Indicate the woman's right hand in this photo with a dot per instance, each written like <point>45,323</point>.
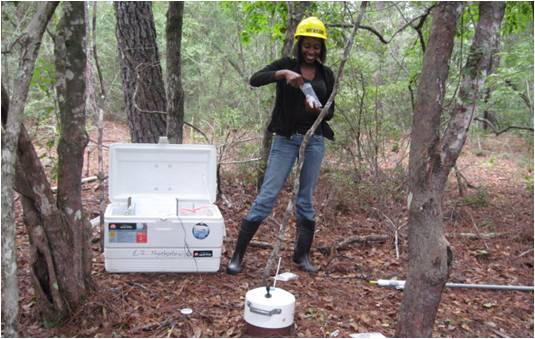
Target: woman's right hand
<point>292,78</point>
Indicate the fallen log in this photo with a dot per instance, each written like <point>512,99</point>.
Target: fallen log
<point>326,250</point>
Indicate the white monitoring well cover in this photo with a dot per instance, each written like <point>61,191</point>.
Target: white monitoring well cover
<point>184,171</point>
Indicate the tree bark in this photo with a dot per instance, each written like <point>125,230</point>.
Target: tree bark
<point>428,264</point>
<point>10,289</point>
<point>432,158</point>
<point>296,11</point>
<point>58,229</point>
<point>71,62</point>
<point>175,92</point>
<point>43,221</point>
<point>475,72</point>
<point>12,116</point>
<point>494,62</point>
<point>144,91</point>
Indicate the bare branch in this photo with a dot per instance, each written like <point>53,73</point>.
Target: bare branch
<point>198,130</point>
<point>138,78</point>
<point>418,27</point>
<point>498,132</point>
<point>95,55</point>
<point>525,98</point>
<point>323,113</point>
<point>240,161</point>
<point>337,245</point>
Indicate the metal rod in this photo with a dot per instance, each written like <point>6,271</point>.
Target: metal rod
<point>491,287</point>
<point>277,273</point>
<point>400,284</point>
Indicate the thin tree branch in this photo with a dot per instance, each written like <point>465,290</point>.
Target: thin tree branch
<point>198,130</point>
<point>97,64</point>
<point>100,132</point>
<point>497,132</point>
<point>323,113</point>
<point>138,78</point>
<point>525,98</point>
<point>379,35</point>
<point>240,161</point>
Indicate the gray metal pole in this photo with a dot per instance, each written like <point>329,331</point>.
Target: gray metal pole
<point>491,287</point>
<point>400,284</point>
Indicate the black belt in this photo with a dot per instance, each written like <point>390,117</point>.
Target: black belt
<point>304,131</point>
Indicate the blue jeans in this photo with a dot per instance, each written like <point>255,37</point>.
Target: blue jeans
<point>284,153</point>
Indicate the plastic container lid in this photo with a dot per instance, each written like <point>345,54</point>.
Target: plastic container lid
<point>184,171</point>
<point>279,297</point>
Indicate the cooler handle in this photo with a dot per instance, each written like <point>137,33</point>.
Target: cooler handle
<point>263,312</point>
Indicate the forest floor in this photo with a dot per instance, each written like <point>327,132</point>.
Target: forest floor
<point>338,300</point>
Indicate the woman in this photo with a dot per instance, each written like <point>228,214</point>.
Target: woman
<point>292,116</point>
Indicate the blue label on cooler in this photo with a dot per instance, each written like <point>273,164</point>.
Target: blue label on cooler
<point>200,231</point>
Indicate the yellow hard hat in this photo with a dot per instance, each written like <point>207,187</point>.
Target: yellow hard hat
<point>312,27</point>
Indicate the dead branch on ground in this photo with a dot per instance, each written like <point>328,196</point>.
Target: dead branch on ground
<point>336,246</point>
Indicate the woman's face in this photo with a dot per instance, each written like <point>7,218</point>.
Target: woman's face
<point>311,49</point>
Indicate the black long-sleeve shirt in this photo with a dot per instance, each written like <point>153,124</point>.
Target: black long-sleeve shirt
<point>289,114</point>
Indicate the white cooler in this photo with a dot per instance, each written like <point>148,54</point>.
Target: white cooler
<point>162,216</point>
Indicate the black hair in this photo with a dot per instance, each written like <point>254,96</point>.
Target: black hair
<point>297,50</point>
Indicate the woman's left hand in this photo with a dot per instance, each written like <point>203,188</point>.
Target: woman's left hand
<point>311,108</point>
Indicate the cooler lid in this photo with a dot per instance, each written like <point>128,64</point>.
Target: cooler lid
<point>179,170</point>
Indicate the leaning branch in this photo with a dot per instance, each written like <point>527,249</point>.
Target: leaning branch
<point>289,207</point>
<point>100,134</point>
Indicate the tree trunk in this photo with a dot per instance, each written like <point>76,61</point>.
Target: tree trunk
<point>71,62</point>
<point>10,289</point>
<point>175,92</point>
<point>428,264</point>
<point>475,72</point>
<point>296,11</point>
<point>494,62</point>
<point>431,159</point>
<point>58,229</point>
<point>144,91</point>
<point>43,221</point>
<point>12,117</point>
<point>488,115</point>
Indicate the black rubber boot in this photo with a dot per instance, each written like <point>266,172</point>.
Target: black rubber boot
<point>247,231</point>
<point>305,235</point>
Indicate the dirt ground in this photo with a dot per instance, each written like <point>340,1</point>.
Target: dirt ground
<point>339,300</point>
